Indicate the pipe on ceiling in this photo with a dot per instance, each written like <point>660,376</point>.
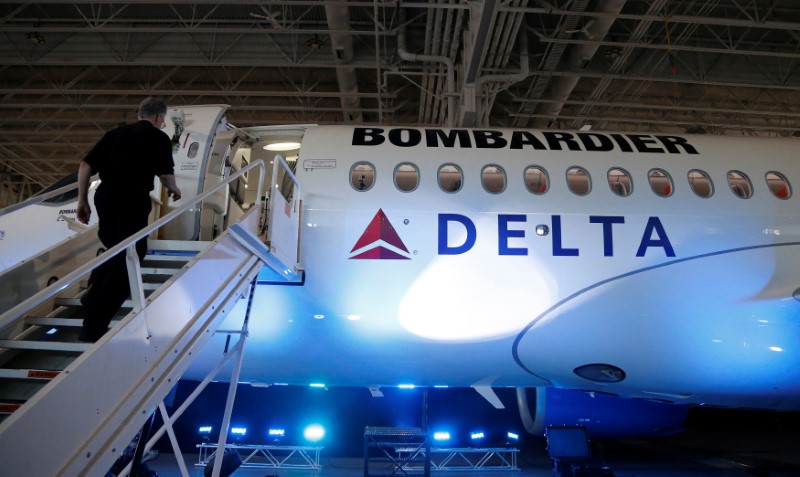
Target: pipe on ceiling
<point>405,55</point>
<point>339,20</point>
<point>578,58</point>
<point>511,78</point>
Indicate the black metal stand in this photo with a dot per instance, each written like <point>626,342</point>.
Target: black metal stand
<point>394,451</point>
<point>144,436</point>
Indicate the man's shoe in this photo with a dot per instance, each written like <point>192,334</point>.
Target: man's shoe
<point>89,337</point>
<point>85,301</point>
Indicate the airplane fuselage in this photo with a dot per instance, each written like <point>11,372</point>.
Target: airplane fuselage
<point>629,264</point>
<point>653,266</point>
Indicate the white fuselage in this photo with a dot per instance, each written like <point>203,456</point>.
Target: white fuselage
<point>691,298</point>
<point>579,260</point>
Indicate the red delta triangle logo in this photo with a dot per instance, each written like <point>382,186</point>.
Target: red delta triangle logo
<point>379,229</point>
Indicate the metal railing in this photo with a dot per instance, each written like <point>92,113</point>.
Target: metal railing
<point>10,316</point>
<point>38,198</point>
<point>284,236</point>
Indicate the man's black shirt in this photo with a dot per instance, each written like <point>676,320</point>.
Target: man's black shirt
<point>129,157</point>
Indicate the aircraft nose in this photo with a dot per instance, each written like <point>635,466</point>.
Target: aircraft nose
<point>717,322</point>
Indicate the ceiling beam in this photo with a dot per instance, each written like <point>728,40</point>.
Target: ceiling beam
<point>197,92</point>
<point>674,47</point>
<point>663,79</point>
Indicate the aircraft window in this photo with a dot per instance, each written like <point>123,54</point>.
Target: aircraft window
<point>450,177</point>
<point>362,176</point>
<point>406,177</point>
<point>578,180</point>
<point>701,184</point>
<point>660,182</point>
<point>778,185</point>
<point>493,178</point>
<point>740,184</point>
<point>536,180</point>
<point>192,152</point>
<point>620,182</point>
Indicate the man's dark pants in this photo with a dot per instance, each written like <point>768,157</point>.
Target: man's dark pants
<point>119,218</point>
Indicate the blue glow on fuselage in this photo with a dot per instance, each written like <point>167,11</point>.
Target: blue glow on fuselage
<point>449,299</point>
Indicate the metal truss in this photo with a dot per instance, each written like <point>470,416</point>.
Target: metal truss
<point>471,459</point>
<point>71,70</point>
<point>266,456</point>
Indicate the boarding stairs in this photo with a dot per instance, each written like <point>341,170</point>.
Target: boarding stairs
<point>48,341</point>
<point>70,408</point>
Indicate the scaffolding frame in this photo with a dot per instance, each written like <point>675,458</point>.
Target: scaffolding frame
<point>266,456</point>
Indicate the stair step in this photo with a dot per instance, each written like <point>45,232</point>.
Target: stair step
<point>126,304</point>
<point>176,246</point>
<point>167,261</point>
<point>8,407</point>
<point>148,286</point>
<point>45,345</point>
<point>58,322</point>
<point>68,302</point>
<point>158,271</point>
<point>159,257</point>
<point>28,374</point>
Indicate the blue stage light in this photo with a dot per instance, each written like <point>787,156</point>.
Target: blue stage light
<point>405,386</point>
<point>513,436</point>
<point>317,385</point>
<point>314,433</point>
<point>238,431</point>
<point>276,432</point>
<point>475,436</point>
<point>441,436</point>
<point>204,429</point>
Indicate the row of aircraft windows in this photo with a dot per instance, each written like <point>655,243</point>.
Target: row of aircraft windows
<point>537,181</point>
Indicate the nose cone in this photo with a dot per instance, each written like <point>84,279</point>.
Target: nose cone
<point>713,325</point>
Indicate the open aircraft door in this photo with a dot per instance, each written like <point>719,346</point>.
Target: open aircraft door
<point>283,215</point>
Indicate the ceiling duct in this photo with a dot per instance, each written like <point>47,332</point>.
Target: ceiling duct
<point>404,54</point>
<point>578,57</point>
<point>342,44</point>
<point>503,81</point>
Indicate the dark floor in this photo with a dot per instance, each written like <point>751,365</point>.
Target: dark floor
<point>704,453</point>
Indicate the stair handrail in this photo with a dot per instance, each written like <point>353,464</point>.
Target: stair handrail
<point>38,198</point>
<point>26,306</point>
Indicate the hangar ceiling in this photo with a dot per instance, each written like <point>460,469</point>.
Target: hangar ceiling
<point>71,70</point>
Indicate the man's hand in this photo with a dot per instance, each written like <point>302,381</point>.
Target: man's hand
<point>84,180</point>
<point>174,192</point>
<point>84,212</point>
<point>168,180</point>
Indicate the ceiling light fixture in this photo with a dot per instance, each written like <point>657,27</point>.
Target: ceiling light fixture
<point>315,43</point>
<point>282,146</point>
<point>35,37</point>
<point>613,53</point>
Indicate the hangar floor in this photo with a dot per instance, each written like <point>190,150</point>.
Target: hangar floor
<point>705,453</point>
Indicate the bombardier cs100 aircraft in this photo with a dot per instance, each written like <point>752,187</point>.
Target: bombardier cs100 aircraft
<point>656,268</point>
<point>620,278</point>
